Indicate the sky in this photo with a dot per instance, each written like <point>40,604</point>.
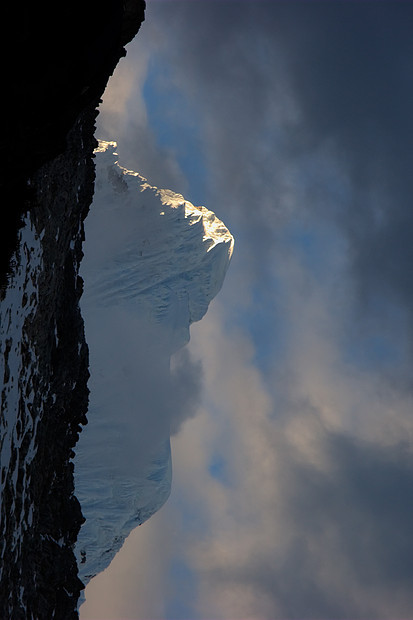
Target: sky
<point>292,488</point>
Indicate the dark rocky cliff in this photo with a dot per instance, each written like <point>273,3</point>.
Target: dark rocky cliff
<point>65,55</point>
<point>56,61</point>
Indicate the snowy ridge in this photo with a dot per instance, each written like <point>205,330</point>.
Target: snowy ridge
<point>153,262</point>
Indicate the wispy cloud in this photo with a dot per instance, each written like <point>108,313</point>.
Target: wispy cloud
<point>313,484</point>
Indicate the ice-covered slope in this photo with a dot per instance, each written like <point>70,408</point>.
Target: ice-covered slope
<point>153,262</point>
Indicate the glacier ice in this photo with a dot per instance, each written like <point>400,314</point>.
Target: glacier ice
<point>152,264</point>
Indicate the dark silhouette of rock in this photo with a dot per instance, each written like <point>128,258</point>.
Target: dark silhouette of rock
<point>57,60</point>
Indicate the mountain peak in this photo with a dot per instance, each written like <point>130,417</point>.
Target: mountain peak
<point>153,262</point>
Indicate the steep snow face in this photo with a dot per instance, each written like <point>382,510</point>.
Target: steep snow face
<point>152,249</point>
<point>153,262</point>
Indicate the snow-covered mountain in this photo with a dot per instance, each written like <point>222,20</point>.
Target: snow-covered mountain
<point>152,264</point>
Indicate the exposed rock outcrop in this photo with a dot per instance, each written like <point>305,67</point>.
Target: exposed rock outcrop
<point>64,57</point>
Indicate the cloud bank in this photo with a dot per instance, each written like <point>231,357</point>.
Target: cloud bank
<point>293,483</point>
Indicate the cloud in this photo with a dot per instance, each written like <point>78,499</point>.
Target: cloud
<point>130,587</point>
<point>292,484</point>
<point>306,517</point>
<point>124,119</point>
<point>186,380</point>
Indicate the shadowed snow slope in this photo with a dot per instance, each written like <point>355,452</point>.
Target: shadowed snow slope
<point>153,262</point>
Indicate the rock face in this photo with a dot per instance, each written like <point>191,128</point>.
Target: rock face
<point>153,262</point>
<point>57,60</point>
<point>65,55</point>
<point>44,363</point>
